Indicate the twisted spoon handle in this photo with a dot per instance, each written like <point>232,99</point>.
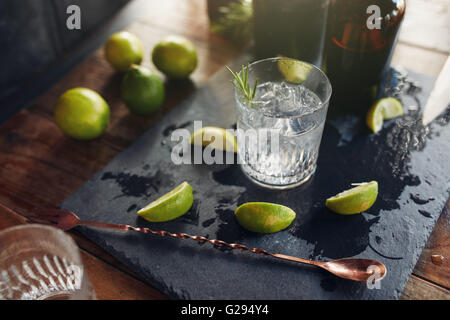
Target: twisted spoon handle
<point>199,239</point>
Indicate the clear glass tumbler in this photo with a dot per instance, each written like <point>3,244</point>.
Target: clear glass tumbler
<point>40,262</point>
<point>280,130</point>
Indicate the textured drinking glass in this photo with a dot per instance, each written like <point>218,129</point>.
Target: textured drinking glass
<point>280,130</point>
<point>40,262</point>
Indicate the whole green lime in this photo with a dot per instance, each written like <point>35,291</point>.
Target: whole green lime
<point>142,90</point>
<point>123,49</point>
<point>82,113</point>
<point>175,56</point>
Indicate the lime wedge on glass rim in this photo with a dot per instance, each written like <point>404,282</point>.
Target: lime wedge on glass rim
<point>383,109</point>
<point>264,217</point>
<point>170,206</point>
<point>293,71</point>
<point>355,200</point>
<point>216,138</point>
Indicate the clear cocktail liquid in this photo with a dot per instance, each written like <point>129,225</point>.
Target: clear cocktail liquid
<point>287,154</point>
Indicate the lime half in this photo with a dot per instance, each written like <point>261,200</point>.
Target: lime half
<point>355,200</point>
<point>216,138</point>
<point>383,109</point>
<point>263,217</point>
<point>170,206</point>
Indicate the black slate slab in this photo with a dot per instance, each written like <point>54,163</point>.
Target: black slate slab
<point>409,161</point>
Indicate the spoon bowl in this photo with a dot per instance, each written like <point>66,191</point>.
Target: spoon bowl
<point>362,270</point>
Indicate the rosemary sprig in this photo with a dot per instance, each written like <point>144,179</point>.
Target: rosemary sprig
<point>240,83</point>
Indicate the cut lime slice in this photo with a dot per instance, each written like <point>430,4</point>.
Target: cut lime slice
<point>170,206</point>
<point>355,200</point>
<point>294,71</point>
<point>391,107</point>
<point>383,109</point>
<point>263,217</point>
<point>216,138</point>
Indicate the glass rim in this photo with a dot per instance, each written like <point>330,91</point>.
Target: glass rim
<point>55,231</point>
<point>317,69</point>
<point>31,226</point>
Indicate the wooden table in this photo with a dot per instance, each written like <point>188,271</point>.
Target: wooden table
<point>40,166</point>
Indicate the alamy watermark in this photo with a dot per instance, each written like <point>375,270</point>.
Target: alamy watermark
<point>374,20</point>
<point>73,21</point>
<point>374,280</point>
<point>260,141</point>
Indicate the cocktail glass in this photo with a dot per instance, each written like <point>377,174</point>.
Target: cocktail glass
<point>39,262</point>
<point>280,130</point>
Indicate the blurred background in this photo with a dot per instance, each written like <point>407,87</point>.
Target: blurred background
<point>37,48</point>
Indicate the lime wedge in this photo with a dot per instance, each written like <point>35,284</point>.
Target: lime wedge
<point>383,109</point>
<point>355,200</point>
<point>391,107</point>
<point>294,71</point>
<point>216,138</point>
<point>170,206</point>
<point>263,217</point>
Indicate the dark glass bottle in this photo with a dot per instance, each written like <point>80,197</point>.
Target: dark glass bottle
<point>357,51</point>
<point>291,28</point>
<point>213,7</point>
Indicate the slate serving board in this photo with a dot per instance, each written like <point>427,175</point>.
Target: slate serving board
<point>409,161</point>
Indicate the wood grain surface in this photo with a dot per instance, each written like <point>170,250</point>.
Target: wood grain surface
<point>41,166</point>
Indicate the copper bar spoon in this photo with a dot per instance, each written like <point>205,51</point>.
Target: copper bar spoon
<point>355,269</point>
